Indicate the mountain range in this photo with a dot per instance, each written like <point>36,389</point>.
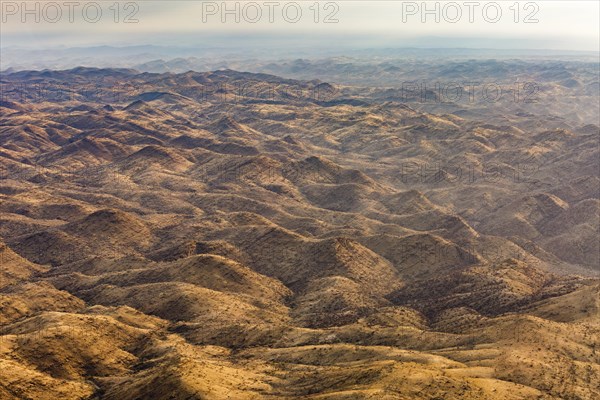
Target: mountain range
<point>238,235</point>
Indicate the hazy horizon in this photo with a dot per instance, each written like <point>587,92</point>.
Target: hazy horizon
<point>529,25</point>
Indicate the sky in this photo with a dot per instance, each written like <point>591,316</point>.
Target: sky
<point>545,24</point>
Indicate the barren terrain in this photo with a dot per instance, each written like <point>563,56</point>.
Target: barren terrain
<point>232,235</point>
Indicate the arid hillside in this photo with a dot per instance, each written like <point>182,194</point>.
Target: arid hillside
<point>229,235</point>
